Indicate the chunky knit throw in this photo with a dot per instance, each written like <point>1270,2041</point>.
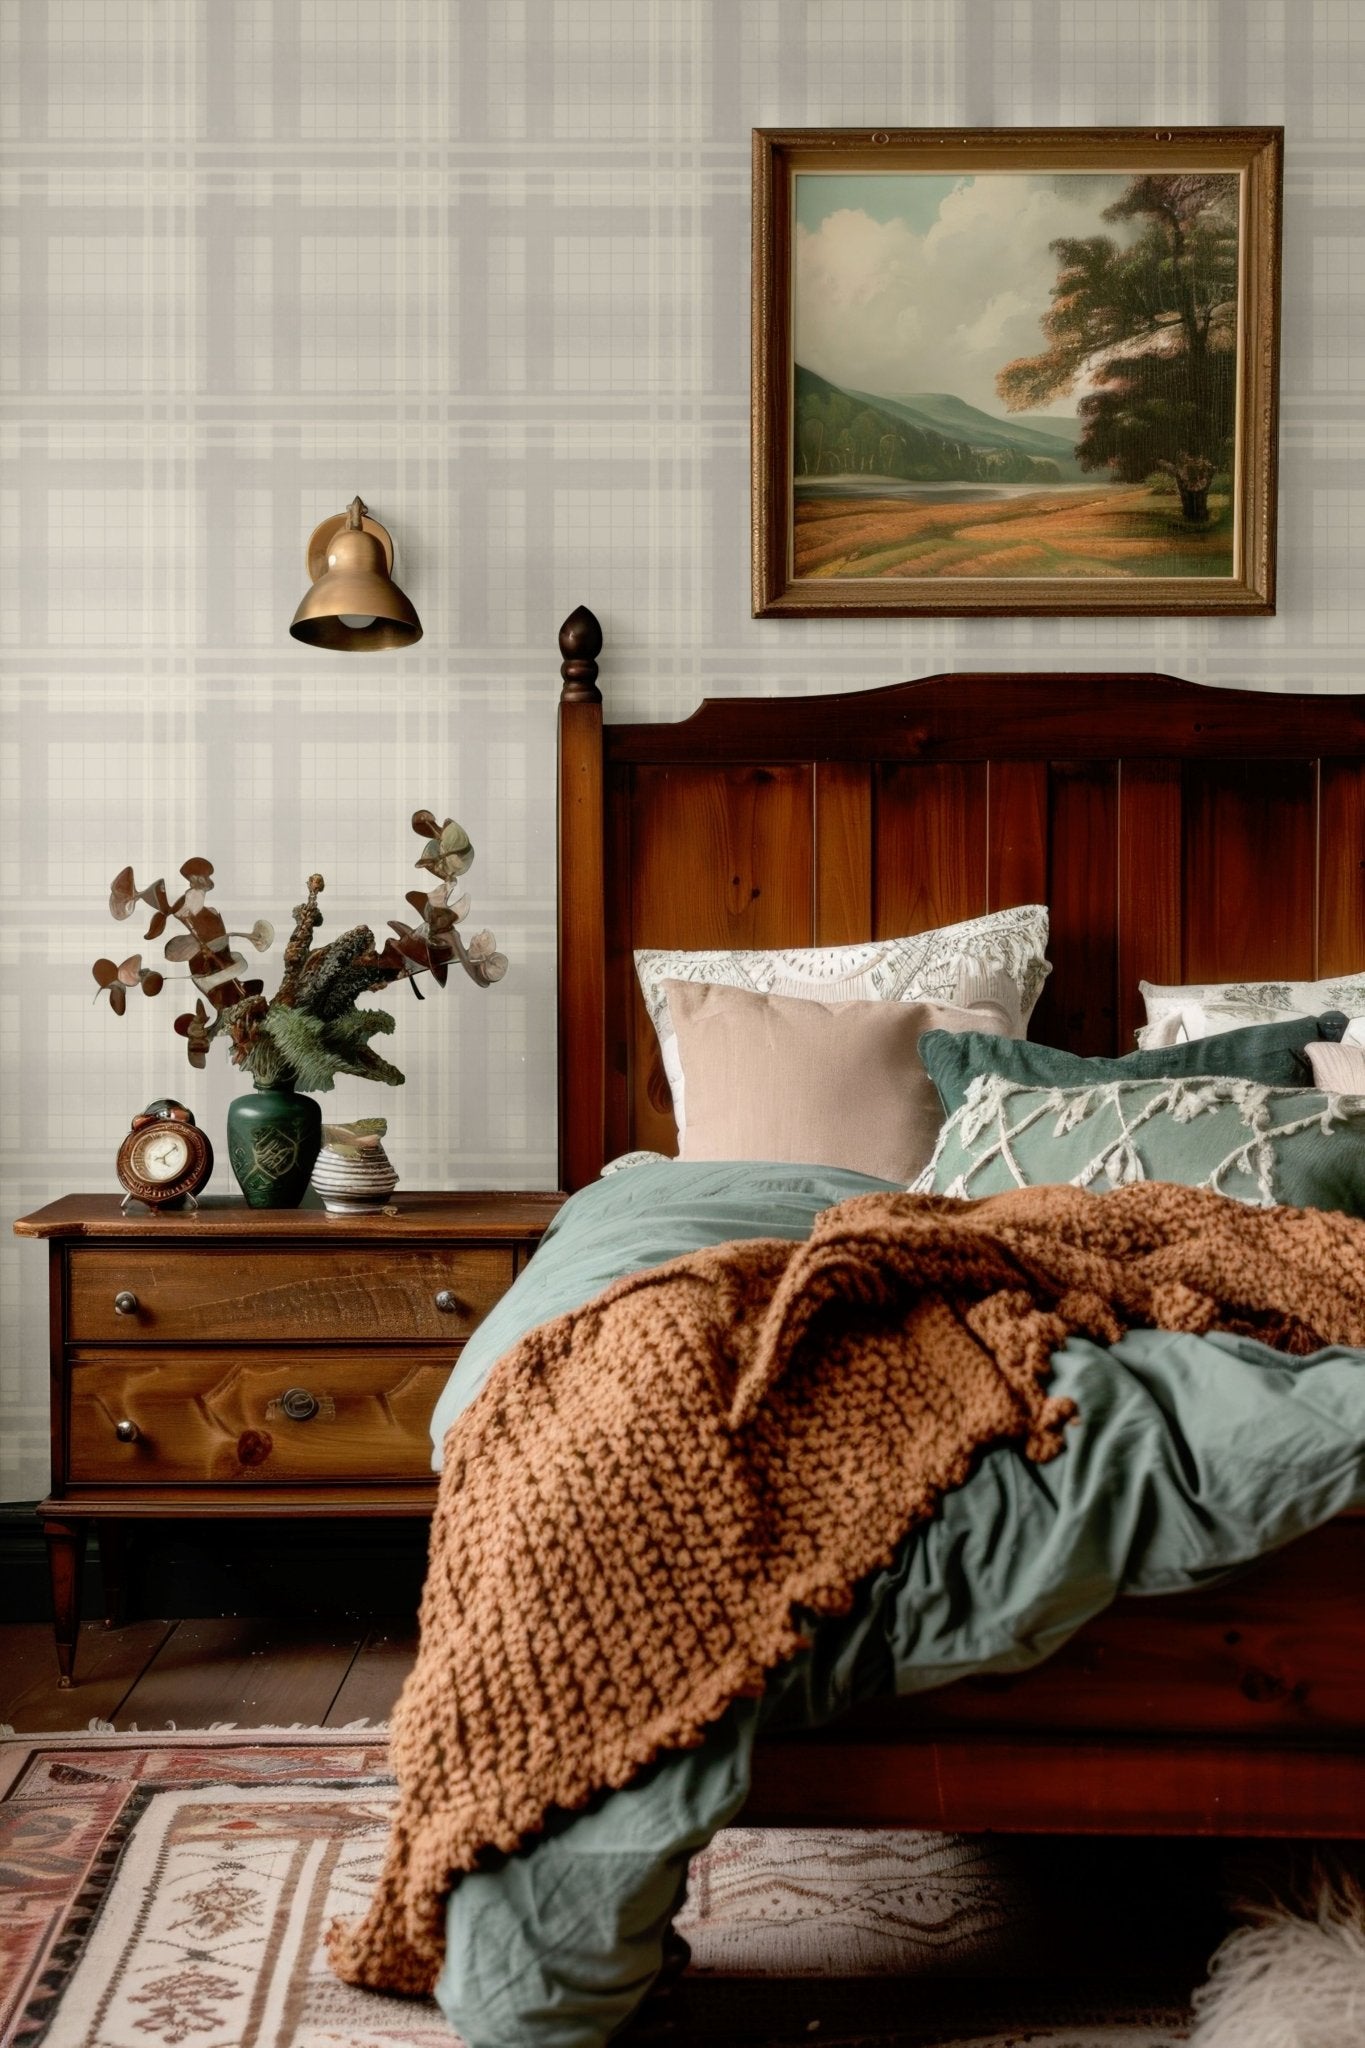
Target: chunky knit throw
<point>650,1492</point>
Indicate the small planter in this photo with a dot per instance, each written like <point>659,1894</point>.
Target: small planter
<point>273,1139</point>
<point>354,1174</point>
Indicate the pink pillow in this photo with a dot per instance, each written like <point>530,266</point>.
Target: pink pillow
<point>813,1083</point>
<point>1337,1069</point>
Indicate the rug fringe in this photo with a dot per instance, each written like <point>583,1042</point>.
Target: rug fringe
<point>362,1726</point>
<point>245,1731</point>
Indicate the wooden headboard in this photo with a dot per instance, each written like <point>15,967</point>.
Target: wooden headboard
<point>1178,833</point>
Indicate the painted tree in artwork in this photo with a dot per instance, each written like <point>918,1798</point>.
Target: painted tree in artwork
<point>1154,328</point>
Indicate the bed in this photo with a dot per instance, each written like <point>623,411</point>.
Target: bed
<point>1013,1661</point>
<point>1176,832</point>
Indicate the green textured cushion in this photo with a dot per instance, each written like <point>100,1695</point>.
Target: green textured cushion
<point>1240,1138</point>
<point>1272,1053</point>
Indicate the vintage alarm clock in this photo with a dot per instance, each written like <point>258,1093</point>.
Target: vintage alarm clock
<point>165,1160</point>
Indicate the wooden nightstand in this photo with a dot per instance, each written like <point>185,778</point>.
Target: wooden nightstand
<point>235,1361</point>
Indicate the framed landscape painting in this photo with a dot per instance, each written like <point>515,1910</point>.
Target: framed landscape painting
<point>1015,371</point>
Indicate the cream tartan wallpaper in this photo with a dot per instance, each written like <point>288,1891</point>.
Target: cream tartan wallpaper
<point>486,262</point>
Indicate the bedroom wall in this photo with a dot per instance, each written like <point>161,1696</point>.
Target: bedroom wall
<point>486,263</point>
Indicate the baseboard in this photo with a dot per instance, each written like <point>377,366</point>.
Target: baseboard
<point>178,1570</point>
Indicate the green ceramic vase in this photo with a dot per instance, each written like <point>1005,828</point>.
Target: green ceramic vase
<point>274,1136</point>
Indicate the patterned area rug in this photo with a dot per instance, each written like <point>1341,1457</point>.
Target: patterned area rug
<point>170,1891</point>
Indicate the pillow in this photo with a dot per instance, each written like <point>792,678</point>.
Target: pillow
<point>1262,1052</point>
<point>807,1082</point>
<point>1000,958</point>
<point>1240,1138</point>
<point>1340,1069</point>
<point>1201,1009</point>
<point>623,1162</point>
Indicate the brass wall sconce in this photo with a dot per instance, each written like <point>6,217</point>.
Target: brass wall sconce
<point>354,603</point>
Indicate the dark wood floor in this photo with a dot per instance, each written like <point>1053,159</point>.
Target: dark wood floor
<point>256,1673</point>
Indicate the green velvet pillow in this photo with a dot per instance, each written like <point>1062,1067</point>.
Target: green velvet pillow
<point>1260,1052</point>
<point>1240,1138</point>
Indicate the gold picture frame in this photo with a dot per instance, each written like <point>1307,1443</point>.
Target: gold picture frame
<point>913,258</point>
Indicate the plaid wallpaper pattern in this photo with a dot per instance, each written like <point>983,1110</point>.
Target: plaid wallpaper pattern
<point>486,263</point>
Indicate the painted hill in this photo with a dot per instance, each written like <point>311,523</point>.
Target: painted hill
<point>926,437</point>
<point>944,414</point>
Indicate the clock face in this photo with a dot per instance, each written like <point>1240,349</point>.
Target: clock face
<point>165,1159</point>
<point>160,1155</point>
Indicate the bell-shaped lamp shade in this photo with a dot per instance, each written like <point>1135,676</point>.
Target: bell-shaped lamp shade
<point>354,603</point>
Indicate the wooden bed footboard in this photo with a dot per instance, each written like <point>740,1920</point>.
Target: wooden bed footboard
<point>1177,833</point>
<point>1239,1710</point>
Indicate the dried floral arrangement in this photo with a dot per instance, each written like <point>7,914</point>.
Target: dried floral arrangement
<point>311,1029</point>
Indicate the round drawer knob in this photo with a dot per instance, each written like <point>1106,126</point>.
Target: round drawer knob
<point>127,1432</point>
<point>446,1302</point>
<point>298,1404</point>
<point>125,1304</point>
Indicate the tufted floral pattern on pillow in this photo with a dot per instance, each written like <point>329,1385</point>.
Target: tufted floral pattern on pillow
<point>1256,1143</point>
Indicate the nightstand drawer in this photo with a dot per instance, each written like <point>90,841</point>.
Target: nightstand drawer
<point>260,1361</point>
<point>245,1418</point>
<point>321,1294</point>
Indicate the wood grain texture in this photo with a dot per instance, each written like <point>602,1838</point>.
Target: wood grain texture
<point>748,837</point>
<point>582,916</point>
<point>1263,1656</point>
<point>1079,1004</point>
<point>256,1673</point>
<point>986,1784</point>
<point>929,858</point>
<point>1150,849</point>
<point>1017,829</point>
<point>510,1218</point>
<point>1341,869</point>
<point>986,716</point>
<point>375,1678</point>
<point>581,905</point>
<point>65,1540</point>
<point>1250,883</point>
<point>720,858</point>
<point>322,1500</point>
<point>110,1662</point>
<point>843,853</point>
<point>214,1417</point>
<point>214,1294</point>
<point>224,1311</point>
<point>621,986</point>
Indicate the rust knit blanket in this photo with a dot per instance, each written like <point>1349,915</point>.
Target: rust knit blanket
<point>648,1489</point>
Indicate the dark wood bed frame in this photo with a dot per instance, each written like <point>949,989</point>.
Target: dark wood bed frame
<point>1178,833</point>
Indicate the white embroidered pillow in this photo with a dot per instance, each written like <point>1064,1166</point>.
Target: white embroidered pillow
<point>1000,959</point>
<point>1203,1009</point>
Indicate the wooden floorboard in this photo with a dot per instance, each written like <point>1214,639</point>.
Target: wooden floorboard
<point>109,1663</point>
<point>255,1673</point>
<point>375,1678</point>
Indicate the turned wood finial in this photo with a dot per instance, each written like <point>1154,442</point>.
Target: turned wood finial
<point>580,643</point>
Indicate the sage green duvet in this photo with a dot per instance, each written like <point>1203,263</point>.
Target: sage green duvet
<point>1192,1456</point>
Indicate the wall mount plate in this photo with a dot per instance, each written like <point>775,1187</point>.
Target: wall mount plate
<point>321,537</point>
